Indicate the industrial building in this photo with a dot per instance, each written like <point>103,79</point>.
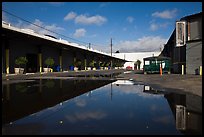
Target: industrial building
<point>184,46</point>
<point>17,42</point>
<point>131,58</point>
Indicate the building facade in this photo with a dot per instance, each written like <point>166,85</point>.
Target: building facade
<point>17,42</point>
<point>131,58</point>
<point>184,46</point>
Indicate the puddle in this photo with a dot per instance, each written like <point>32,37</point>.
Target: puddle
<point>63,106</point>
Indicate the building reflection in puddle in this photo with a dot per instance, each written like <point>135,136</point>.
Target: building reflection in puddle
<point>22,99</point>
<point>98,107</point>
<point>186,108</point>
<point>187,111</point>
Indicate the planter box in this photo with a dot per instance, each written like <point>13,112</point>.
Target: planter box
<point>46,70</point>
<point>18,70</point>
<point>75,68</point>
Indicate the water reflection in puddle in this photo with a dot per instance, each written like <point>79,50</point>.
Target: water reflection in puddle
<point>97,107</point>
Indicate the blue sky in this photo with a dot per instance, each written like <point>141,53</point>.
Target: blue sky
<point>133,26</point>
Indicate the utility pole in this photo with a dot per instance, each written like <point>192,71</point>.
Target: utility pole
<point>89,45</point>
<point>111,54</point>
<point>111,47</point>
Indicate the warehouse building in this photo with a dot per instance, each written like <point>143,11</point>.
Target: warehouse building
<point>17,42</point>
<point>184,46</point>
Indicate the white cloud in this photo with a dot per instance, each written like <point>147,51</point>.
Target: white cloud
<point>71,15</point>
<point>4,17</point>
<point>156,26</point>
<point>80,33</point>
<point>85,19</point>
<point>163,119</point>
<point>167,14</point>
<point>95,115</point>
<point>104,4</point>
<point>148,44</point>
<point>39,30</point>
<point>57,4</point>
<point>130,19</point>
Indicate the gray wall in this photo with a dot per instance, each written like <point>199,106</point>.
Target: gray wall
<point>18,48</point>
<point>193,56</point>
<point>194,47</point>
<point>67,59</point>
<point>50,51</point>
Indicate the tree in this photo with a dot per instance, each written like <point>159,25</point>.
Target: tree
<point>117,51</point>
<point>92,64</point>
<point>21,61</point>
<point>49,62</point>
<point>138,62</point>
<point>78,63</point>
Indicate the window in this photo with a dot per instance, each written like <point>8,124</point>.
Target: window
<point>146,62</point>
<point>180,33</point>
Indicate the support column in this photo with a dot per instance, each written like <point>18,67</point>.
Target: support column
<point>182,69</point>
<point>7,61</point>
<point>85,62</point>
<point>60,62</point>
<point>200,70</point>
<point>40,61</point>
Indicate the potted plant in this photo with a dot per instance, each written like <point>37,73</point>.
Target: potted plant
<point>101,64</point>
<point>92,65</point>
<point>106,66</point>
<point>20,61</point>
<point>71,66</point>
<point>77,65</point>
<point>49,62</point>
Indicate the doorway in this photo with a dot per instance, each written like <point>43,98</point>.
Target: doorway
<point>31,66</point>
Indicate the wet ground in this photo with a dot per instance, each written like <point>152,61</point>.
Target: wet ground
<point>64,106</point>
<point>171,82</point>
<point>127,104</point>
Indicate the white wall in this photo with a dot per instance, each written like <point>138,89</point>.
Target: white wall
<point>132,57</point>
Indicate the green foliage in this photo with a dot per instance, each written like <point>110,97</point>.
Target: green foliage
<point>102,64</point>
<point>77,63</point>
<point>49,61</point>
<point>107,64</point>
<point>92,64</point>
<point>137,64</point>
<point>21,61</point>
<point>118,64</point>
